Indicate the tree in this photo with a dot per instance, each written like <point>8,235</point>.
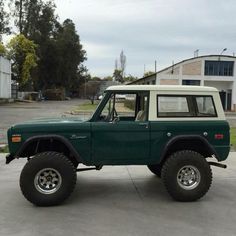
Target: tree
<point>119,71</point>
<point>48,72</point>
<point>130,78</point>
<point>36,20</point>
<point>96,78</point>
<point>46,26</point>
<point>91,90</point>
<point>33,11</point>
<point>2,50</point>
<point>107,78</point>
<point>61,54</point>
<point>26,14</point>
<point>22,53</point>
<point>4,20</point>
<point>148,73</point>
<point>117,75</point>
<point>71,53</point>
<point>18,14</point>
<point>59,49</point>
<point>82,77</point>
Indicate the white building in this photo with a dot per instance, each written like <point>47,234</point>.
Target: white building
<point>212,70</point>
<point>5,78</point>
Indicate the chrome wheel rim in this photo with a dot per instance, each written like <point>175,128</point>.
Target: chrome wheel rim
<point>188,177</point>
<point>47,181</point>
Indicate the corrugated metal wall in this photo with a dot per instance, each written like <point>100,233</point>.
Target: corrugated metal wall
<point>5,78</point>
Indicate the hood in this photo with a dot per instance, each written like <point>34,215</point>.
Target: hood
<point>52,120</point>
<point>45,125</point>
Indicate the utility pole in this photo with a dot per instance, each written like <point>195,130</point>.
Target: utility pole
<point>172,68</point>
<point>196,53</point>
<point>155,66</point>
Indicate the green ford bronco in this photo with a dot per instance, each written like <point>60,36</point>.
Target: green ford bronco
<point>170,129</point>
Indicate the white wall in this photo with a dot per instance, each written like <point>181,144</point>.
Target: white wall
<point>220,85</point>
<point>5,78</point>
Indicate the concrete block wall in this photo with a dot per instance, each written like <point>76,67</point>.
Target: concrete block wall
<point>193,68</point>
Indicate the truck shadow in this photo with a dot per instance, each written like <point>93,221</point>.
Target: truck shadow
<point>100,191</point>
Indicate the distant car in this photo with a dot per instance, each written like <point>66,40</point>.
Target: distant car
<point>171,129</point>
<point>120,96</point>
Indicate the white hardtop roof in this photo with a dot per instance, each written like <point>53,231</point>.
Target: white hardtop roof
<point>162,88</point>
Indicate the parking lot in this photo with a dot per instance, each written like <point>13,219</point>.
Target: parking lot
<point>122,200</point>
<point>19,112</point>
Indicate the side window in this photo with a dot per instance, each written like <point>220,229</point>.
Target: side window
<point>205,106</point>
<point>125,107</point>
<point>185,106</point>
<point>119,107</point>
<point>173,106</point>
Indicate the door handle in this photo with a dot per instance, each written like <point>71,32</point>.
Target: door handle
<point>143,124</point>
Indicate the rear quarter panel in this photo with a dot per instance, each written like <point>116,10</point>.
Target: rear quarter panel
<point>188,126</point>
<point>160,130</point>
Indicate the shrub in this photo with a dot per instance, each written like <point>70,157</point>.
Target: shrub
<point>55,94</point>
<point>130,104</point>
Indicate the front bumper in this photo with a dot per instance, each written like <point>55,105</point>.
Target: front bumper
<point>9,158</point>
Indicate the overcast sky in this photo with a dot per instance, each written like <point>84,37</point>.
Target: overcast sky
<point>149,30</point>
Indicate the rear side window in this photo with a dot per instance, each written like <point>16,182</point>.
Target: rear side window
<point>205,106</point>
<point>173,106</point>
<point>185,106</point>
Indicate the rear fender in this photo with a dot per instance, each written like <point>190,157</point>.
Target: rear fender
<point>181,142</point>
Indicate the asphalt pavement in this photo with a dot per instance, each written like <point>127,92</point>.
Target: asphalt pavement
<point>120,200</point>
<point>19,112</point>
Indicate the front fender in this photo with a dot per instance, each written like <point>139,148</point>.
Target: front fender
<point>38,138</point>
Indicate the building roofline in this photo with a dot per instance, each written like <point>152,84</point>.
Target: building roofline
<point>189,59</point>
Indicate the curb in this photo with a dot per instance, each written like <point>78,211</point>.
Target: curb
<point>230,114</point>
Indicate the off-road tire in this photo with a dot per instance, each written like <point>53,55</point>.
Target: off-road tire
<point>155,169</point>
<point>58,163</point>
<point>171,173</point>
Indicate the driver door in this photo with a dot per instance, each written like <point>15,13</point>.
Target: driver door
<point>118,137</point>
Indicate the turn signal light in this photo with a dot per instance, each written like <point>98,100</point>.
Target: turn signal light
<point>16,139</point>
<point>219,136</point>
